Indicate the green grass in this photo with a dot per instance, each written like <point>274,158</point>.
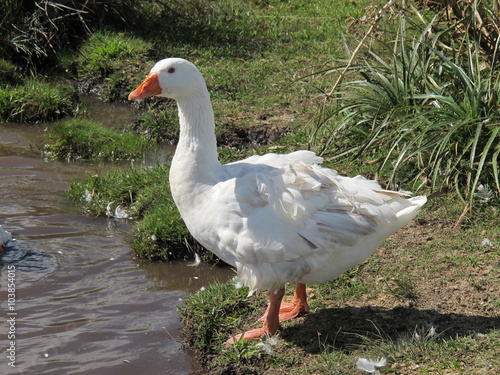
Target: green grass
<point>214,313</point>
<point>211,316</point>
<point>37,100</point>
<point>160,122</point>
<point>144,193</point>
<point>106,52</point>
<point>282,42</point>
<point>108,60</point>
<point>80,138</point>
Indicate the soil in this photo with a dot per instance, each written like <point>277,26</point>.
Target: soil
<point>264,130</point>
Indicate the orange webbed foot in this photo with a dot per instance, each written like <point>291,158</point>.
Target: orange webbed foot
<point>253,334</point>
<point>271,322</point>
<point>288,311</point>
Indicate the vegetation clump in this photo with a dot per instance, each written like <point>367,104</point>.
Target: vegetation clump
<point>108,61</point>
<point>422,107</point>
<point>80,138</point>
<point>141,194</point>
<point>37,100</point>
<point>209,318</point>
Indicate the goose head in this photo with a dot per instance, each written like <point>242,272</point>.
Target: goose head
<point>172,78</point>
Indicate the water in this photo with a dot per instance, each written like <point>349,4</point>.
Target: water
<point>83,304</point>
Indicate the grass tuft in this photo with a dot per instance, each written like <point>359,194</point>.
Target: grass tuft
<point>108,63</point>
<point>37,100</point>
<point>404,288</point>
<point>424,110</point>
<point>211,316</point>
<point>80,138</point>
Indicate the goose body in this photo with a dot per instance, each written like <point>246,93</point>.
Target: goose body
<point>277,218</point>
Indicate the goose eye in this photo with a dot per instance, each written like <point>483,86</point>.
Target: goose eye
<point>171,70</point>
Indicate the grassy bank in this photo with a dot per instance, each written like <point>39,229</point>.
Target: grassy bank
<point>107,62</point>
<point>35,99</point>
<point>79,138</point>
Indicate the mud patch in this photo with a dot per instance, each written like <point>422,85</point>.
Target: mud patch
<point>264,130</point>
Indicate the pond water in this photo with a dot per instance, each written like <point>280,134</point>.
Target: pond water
<point>83,304</point>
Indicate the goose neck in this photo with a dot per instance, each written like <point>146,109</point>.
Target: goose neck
<point>197,147</point>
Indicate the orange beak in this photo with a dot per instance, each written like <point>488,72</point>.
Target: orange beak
<point>150,87</point>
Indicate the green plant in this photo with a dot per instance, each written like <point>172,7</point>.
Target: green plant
<point>32,30</point>
<point>160,124</point>
<point>37,100</point>
<point>8,74</point>
<point>211,315</point>
<point>80,138</point>
<point>425,113</point>
<point>405,288</point>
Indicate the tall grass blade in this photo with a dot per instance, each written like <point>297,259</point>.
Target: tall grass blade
<point>485,154</point>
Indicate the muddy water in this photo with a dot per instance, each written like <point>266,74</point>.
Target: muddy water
<point>83,305</point>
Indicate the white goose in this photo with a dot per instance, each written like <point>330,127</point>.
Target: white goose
<point>5,237</point>
<point>277,218</point>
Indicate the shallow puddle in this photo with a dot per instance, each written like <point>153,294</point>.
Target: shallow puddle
<point>83,305</point>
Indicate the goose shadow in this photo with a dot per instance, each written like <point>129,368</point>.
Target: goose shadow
<point>347,328</point>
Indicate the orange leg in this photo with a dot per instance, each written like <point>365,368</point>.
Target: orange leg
<point>291,310</point>
<point>271,322</point>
